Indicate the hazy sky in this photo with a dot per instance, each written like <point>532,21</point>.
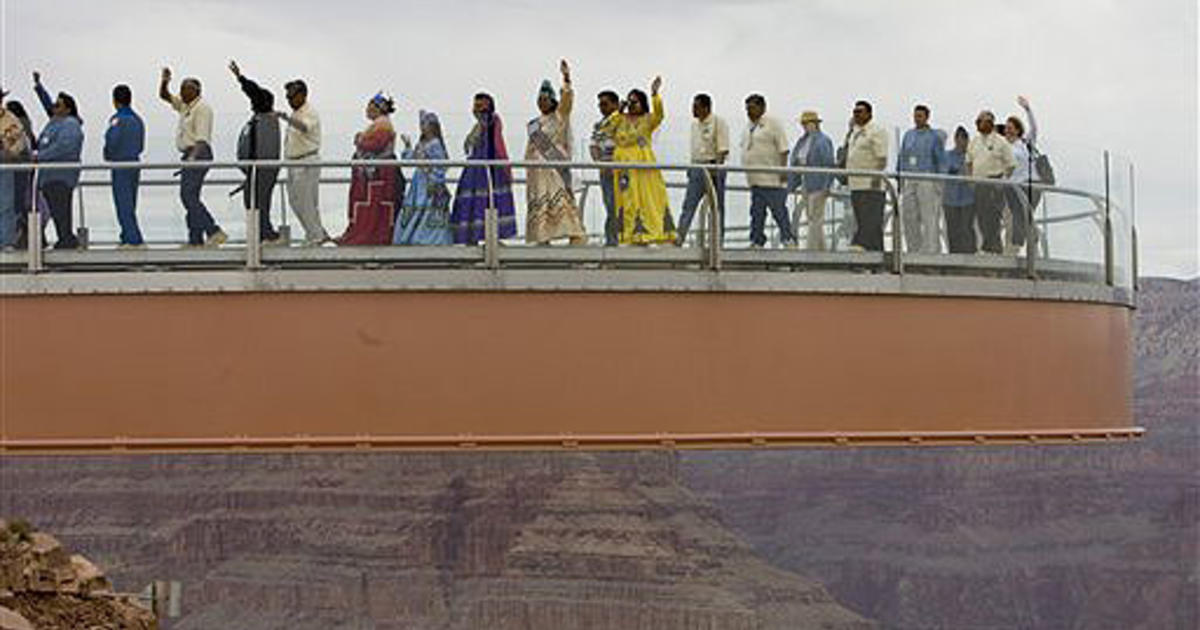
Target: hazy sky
<point>1102,74</point>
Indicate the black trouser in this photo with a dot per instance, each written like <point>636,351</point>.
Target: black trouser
<point>264,185</point>
<point>58,197</point>
<point>960,228</point>
<point>868,216</point>
<point>989,206</point>
<point>1021,214</point>
<point>22,202</point>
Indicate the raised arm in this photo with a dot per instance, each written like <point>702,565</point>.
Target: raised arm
<point>567,99</point>
<point>164,87</point>
<point>1031,134</point>
<point>43,95</point>
<point>657,113</point>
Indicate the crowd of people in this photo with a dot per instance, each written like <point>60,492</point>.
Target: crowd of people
<point>385,207</point>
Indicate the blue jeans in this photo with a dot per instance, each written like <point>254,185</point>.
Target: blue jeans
<point>695,192</point>
<point>608,191</point>
<point>762,198</point>
<point>125,195</point>
<point>191,182</point>
<point>8,209</point>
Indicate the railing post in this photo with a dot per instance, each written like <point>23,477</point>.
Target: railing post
<point>285,230</point>
<point>253,233</point>
<point>714,222</point>
<point>1109,270</point>
<point>1031,239</point>
<point>1133,234</point>
<point>81,230</point>
<point>33,227</point>
<point>897,223</point>
<point>491,231</point>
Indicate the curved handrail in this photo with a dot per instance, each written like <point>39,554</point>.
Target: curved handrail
<point>1100,201</point>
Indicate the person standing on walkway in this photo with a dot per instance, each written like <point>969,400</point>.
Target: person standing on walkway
<point>481,187</point>
<point>552,212</point>
<point>23,180</point>
<point>14,145</point>
<point>958,199</point>
<point>372,210</point>
<point>922,150</point>
<point>302,142</point>
<point>61,140</point>
<point>989,155</point>
<point>710,145</point>
<point>764,143</point>
<point>602,148</point>
<point>815,149</point>
<point>643,211</point>
<point>259,140</point>
<point>425,214</point>
<point>123,142</point>
<point>867,149</point>
<point>193,139</point>
<point>1022,198</point>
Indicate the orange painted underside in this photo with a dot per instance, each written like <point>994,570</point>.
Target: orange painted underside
<point>430,365</point>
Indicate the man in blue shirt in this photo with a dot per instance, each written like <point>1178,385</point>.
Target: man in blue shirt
<point>958,199</point>
<point>61,141</point>
<point>814,148</point>
<point>123,142</point>
<point>922,150</point>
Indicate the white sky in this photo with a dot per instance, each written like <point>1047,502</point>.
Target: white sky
<point>1101,74</point>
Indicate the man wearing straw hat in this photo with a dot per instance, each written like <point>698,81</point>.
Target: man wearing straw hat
<point>815,149</point>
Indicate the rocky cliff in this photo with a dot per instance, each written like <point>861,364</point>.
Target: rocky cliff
<point>391,541</point>
<point>44,587</point>
<point>1091,537</point>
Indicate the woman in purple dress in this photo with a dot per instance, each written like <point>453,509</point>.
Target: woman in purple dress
<point>485,142</point>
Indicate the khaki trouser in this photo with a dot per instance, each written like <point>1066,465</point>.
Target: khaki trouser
<point>303,189</point>
<point>921,202</point>
<point>813,206</point>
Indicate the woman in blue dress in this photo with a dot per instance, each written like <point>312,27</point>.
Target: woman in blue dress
<point>425,215</point>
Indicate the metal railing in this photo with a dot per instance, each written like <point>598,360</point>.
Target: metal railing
<point>710,237</point>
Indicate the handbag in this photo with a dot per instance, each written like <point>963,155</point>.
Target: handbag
<point>1041,165</point>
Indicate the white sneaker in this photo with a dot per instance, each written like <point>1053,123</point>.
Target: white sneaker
<point>216,239</point>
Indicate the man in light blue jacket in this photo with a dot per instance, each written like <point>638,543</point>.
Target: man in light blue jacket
<point>61,141</point>
<point>922,150</point>
<point>814,148</point>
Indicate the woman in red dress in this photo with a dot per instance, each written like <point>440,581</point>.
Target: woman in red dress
<point>373,188</point>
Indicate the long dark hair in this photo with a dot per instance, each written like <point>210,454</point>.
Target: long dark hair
<point>72,109</point>
<point>490,101</point>
<point>18,110</point>
<point>641,96</point>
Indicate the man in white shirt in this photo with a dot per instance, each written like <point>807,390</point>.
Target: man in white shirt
<point>193,138</point>
<point>765,144</point>
<point>866,149</point>
<point>302,141</point>
<point>989,155</point>
<point>710,145</point>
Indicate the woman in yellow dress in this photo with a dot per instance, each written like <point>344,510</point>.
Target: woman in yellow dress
<point>641,199</point>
